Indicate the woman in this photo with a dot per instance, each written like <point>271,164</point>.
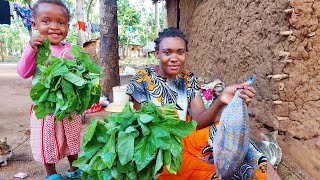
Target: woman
<point>169,83</point>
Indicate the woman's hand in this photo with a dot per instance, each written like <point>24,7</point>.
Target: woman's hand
<point>247,93</point>
<point>36,40</point>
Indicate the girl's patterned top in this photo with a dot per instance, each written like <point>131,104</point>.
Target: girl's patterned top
<point>148,86</point>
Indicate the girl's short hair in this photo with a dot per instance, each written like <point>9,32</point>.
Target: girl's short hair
<point>57,2</point>
<point>170,32</point>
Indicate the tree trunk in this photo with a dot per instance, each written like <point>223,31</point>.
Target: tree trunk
<point>88,17</point>
<point>109,56</point>
<point>156,16</point>
<point>80,17</point>
<point>127,46</point>
<point>1,51</point>
<point>88,11</point>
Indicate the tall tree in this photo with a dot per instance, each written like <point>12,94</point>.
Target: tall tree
<point>156,16</point>
<point>128,17</point>
<point>2,51</point>
<point>80,17</point>
<point>109,57</point>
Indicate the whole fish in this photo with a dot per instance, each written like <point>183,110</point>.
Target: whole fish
<point>231,141</point>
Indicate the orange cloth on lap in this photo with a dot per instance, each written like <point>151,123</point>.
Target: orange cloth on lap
<point>192,167</point>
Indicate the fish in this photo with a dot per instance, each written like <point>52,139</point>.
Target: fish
<point>231,141</point>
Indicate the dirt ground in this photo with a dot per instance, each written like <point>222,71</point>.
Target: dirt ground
<point>14,119</point>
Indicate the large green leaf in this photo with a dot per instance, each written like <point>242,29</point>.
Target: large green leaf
<point>97,163</point>
<point>74,79</point>
<point>160,136</point>
<point>145,118</point>
<point>144,128</point>
<point>60,71</point>
<point>105,175</point>
<point>43,52</point>
<point>44,96</point>
<point>167,158</point>
<point>125,147</point>
<point>67,87</point>
<point>91,149</point>
<point>132,175</point>
<point>36,76</point>
<point>81,161</point>
<point>178,127</point>
<point>176,146</point>
<point>125,168</point>
<point>41,110</point>
<point>145,151</point>
<point>36,92</point>
<point>109,151</point>
<point>159,162</point>
<point>87,137</point>
<point>101,134</point>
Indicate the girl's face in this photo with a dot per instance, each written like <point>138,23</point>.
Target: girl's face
<point>172,55</point>
<point>52,21</point>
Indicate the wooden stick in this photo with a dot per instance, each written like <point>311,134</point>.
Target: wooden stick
<point>311,34</point>
<point>286,33</point>
<point>284,53</point>
<point>289,11</point>
<point>282,118</point>
<point>277,102</point>
<point>279,76</point>
<point>286,61</point>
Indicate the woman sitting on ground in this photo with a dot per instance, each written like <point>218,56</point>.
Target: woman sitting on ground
<point>168,82</point>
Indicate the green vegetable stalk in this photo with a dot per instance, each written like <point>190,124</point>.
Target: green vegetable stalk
<point>134,144</point>
<point>63,86</point>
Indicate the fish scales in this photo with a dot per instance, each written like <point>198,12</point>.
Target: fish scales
<point>231,141</point>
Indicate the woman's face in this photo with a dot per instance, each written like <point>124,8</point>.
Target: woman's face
<point>172,55</point>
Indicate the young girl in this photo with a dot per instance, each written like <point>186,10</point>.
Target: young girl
<point>50,140</point>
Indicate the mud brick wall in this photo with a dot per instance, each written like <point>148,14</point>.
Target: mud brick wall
<point>299,112</point>
<point>232,39</point>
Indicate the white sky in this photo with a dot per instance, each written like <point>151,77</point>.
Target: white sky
<point>147,4</point>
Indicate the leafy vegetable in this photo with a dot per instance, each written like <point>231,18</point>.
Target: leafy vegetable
<point>134,144</point>
<point>63,86</point>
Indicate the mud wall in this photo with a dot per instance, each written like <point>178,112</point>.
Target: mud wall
<point>231,39</point>
<point>171,6</point>
<point>299,112</point>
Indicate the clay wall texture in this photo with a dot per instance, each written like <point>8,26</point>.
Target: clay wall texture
<point>231,39</point>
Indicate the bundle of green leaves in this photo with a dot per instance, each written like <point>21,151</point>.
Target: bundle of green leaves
<point>63,86</point>
<point>134,144</point>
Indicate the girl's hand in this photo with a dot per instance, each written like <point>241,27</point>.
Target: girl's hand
<point>247,93</point>
<point>36,40</point>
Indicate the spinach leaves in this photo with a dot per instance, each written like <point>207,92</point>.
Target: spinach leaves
<point>134,144</point>
<point>64,86</point>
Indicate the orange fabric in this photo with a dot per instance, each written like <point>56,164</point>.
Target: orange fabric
<point>82,25</point>
<point>192,167</point>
